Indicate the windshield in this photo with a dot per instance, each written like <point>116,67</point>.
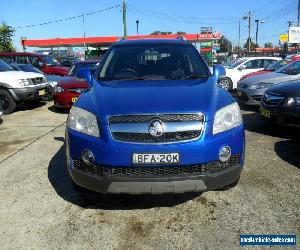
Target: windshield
<point>51,61</point>
<point>277,65</point>
<point>75,68</point>
<point>5,67</point>
<point>235,63</point>
<point>29,68</point>
<point>153,62</point>
<point>290,69</point>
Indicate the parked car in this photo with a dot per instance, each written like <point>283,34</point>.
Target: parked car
<point>68,61</point>
<point>251,90</point>
<point>243,66</point>
<point>154,121</point>
<point>51,79</point>
<point>46,63</point>
<point>281,103</point>
<point>273,67</point>
<point>70,87</point>
<point>18,86</point>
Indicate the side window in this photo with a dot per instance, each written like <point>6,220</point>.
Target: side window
<point>37,62</point>
<point>268,62</point>
<point>253,64</point>
<point>21,59</point>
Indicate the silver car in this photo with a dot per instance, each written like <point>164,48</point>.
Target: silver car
<point>251,90</point>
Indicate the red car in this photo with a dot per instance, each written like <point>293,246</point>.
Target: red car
<point>70,87</point>
<point>272,67</point>
<point>46,63</point>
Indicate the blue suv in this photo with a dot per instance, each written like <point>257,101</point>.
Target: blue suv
<point>154,121</point>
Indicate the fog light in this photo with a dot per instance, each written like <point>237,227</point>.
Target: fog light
<point>87,157</point>
<point>224,154</point>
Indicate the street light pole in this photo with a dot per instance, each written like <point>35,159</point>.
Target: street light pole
<point>137,27</point>
<point>257,21</point>
<point>83,26</point>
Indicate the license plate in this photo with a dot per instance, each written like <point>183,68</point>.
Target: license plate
<point>166,158</point>
<point>74,99</point>
<point>42,92</point>
<point>265,113</point>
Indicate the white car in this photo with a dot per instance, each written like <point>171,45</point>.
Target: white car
<point>20,86</point>
<point>242,66</point>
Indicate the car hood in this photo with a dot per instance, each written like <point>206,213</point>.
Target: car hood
<point>7,76</point>
<point>164,96</point>
<point>269,78</point>
<point>72,82</point>
<point>291,88</point>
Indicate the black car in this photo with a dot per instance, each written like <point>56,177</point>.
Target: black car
<point>281,103</point>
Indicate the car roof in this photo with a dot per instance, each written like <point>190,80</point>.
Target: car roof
<point>149,41</point>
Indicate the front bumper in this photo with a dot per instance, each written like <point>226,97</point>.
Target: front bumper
<point>281,114</point>
<point>154,184</point>
<point>111,153</point>
<point>64,100</point>
<point>29,93</point>
<point>250,97</point>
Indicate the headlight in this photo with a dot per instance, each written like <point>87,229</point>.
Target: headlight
<point>227,118</point>
<point>83,121</point>
<point>58,89</point>
<point>24,82</point>
<point>260,85</point>
<point>291,101</point>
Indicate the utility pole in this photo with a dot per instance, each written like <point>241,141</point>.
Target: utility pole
<point>239,36</point>
<point>137,27</point>
<point>249,30</point>
<point>124,19</point>
<point>298,13</point>
<point>83,26</point>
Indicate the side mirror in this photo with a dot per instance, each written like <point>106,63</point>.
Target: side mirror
<point>218,71</point>
<point>85,73</point>
<point>242,67</point>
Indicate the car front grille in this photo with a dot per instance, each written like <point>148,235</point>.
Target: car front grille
<point>147,138</point>
<point>257,97</point>
<point>271,99</point>
<point>135,128</point>
<point>141,171</point>
<point>162,117</point>
<point>37,80</point>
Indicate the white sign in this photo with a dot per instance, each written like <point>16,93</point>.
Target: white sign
<point>294,35</point>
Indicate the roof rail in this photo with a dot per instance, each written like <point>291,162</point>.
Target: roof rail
<point>181,37</point>
<point>121,39</point>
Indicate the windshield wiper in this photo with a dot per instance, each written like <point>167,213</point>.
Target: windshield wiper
<point>195,77</point>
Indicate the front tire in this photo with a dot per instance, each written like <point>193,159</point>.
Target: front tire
<point>7,101</point>
<point>225,83</point>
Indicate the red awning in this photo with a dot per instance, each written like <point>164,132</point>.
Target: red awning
<point>107,41</point>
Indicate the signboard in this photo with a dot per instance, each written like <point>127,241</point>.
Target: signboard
<point>205,50</point>
<point>284,38</point>
<point>212,36</point>
<point>206,29</point>
<point>294,35</point>
<point>206,44</point>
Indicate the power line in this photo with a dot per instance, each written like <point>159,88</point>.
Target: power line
<point>69,18</point>
<point>177,18</point>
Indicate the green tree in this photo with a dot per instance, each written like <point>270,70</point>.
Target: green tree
<point>252,45</point>
<point>6,34</point>
<point>157,32</point>
<point>225,45</point>
<point>268,45</point>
